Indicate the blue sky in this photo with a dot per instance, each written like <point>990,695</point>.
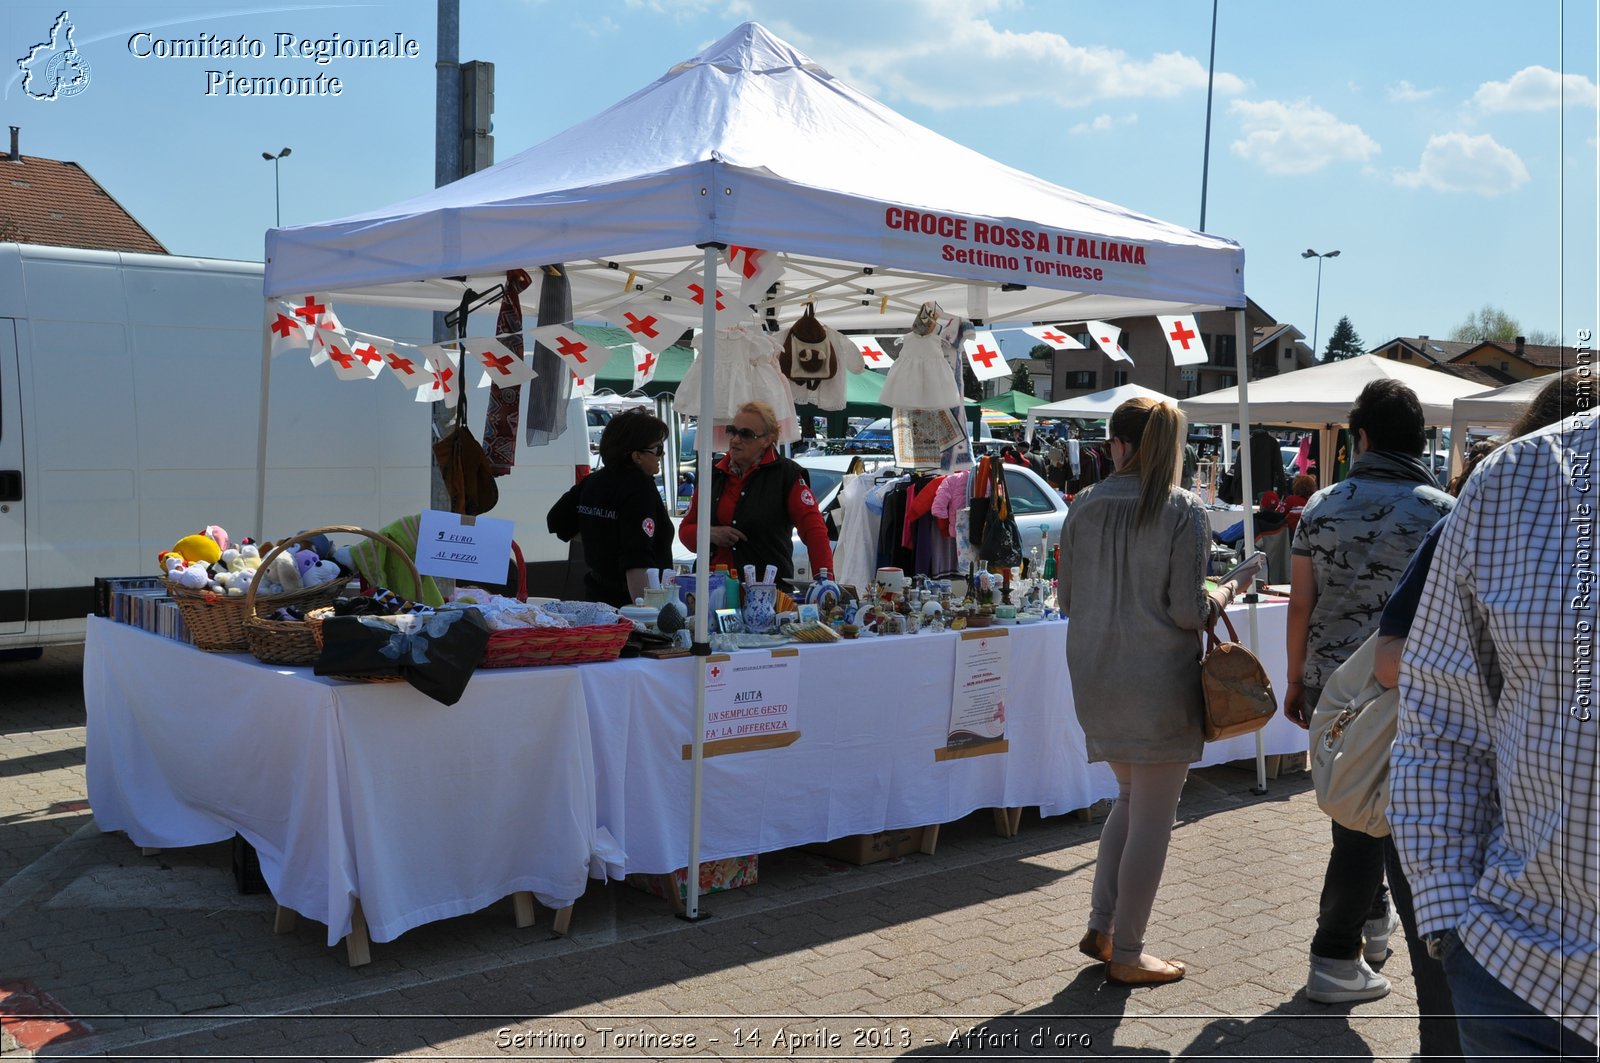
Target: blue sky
<point>1423,139</point>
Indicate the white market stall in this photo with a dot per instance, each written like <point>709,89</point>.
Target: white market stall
<point>751,155</point>
<point>1322,395</point>
<point>1497,408</point>
<point>1097,405</point>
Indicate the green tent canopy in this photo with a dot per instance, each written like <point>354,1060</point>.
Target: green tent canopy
<point>1016,403</point>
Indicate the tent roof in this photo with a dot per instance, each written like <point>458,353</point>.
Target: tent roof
<point>1323,394</point>
<point>1097,405</point>
<point>1014,402</point>
<point>750,143</point>
<point>1501,406</point>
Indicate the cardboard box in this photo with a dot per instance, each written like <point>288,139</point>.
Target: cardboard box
<point>862,849</point>
<point>715,876</point>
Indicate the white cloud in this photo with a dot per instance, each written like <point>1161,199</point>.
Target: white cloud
<point>1405,92</point>
<point>1535,88</point>
<point>948,53</point>
<point>1456,162</point>
<point>1297,138</point>
<point>1103,123</point>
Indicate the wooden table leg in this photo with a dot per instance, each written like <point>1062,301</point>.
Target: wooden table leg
<point>930,838</point>
<point>357,945</point>
<point>563,921</point>
<point>283,920</point>
<point>522,908</point>
<point>1014,821</point>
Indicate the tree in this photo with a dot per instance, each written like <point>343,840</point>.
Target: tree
<point>1492,323</point>
<point>1021,379</point>
<point>1344,343</point>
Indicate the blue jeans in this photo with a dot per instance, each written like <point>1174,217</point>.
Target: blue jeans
<point>1494,1022</point>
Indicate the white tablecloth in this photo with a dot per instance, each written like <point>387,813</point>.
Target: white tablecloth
<point>347,790</point>
<point>871,714</point>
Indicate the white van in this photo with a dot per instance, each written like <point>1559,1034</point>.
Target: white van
<point>129,403</point>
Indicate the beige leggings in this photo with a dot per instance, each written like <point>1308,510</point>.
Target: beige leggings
<point>1133,852</point>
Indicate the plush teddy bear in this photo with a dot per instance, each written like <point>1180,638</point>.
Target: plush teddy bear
<point>198,548</point>
<point>284,573</point>
<point>192,576</point>
<point>320,572</point>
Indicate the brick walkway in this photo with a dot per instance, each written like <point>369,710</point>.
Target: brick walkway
<point>969,952</point>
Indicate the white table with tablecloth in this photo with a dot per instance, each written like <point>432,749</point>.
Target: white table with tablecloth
<point>347,790</point>
<point>539,778</point>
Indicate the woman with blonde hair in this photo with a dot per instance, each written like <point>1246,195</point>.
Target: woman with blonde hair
<point>1135,549</point>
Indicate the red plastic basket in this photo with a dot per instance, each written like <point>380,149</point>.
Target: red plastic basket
<point>530,647</point>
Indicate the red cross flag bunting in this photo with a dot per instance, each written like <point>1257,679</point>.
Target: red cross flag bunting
<point>580,354</point>
<point>1183,340</point>
<point>760,270</point>
<point>443,368</point>
<point>644,324</point>
<point>351,358</point>
<point>1055,337</point>
<point>500,364</point>
<point>645,365</point>
<point>409,365</point>
<point>1109,339</point>
<point>288,330</point>
<point>984,355</point>
<point>873,353</point>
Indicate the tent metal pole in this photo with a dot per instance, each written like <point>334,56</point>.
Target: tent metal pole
<point>702,578</point>
<point>259,528</point>
<point>1248,498</point>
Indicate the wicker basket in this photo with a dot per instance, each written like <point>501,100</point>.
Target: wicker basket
<point>531,647</point>
<point>293,641</point>
<point>315,617</point>
<point>216,622</point>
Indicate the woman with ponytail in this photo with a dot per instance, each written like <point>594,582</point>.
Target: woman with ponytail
<point>1132,580</point>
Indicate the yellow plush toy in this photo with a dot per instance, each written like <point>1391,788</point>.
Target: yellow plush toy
<point>198,548</point>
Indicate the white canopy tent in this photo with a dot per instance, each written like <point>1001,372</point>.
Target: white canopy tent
<point>1323,394</point>
<point>751,144</point>
<point>1497,408</point>
<point>1097,405</point>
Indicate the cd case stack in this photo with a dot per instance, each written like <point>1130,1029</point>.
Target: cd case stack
<point>141,601</point>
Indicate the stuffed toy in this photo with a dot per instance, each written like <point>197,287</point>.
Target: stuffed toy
<point>283,574</point>
<point>250,555</point>
<point>320,572</point>
<point>191,576</point>
<point>198,548</point>
<point>218,535</point>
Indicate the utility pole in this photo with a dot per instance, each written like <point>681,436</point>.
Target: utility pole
<point>462,144</point>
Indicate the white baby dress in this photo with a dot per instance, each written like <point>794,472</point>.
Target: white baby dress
<point>922,377</point>
<point>747,371</point>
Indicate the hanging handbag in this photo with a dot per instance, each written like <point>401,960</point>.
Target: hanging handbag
<point>1352,735</point>
<point>807,356</point>
<point>1238,694</point>
<point>1001,544</point>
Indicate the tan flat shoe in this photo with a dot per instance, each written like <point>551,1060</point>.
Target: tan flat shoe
<point>1131,974</point>
<point>1096,945</point>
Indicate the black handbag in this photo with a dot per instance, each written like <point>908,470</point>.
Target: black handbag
<point>1002,541</point>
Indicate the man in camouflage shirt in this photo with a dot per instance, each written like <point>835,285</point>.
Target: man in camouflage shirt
<point>1354,540</point>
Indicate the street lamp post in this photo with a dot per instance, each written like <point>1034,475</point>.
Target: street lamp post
<point>1316,316</point>
<point>277,191</point>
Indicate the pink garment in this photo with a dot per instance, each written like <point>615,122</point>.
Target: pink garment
<point>950,500</point>
<point>1302,461</point>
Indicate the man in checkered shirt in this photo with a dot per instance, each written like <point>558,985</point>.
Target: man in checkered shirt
<point>1493,789</point>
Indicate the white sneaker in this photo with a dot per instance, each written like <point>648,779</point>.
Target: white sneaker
<point>1377,932</point>
<point>1344,981</point>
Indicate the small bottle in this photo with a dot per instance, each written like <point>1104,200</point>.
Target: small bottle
<point>734,599</point>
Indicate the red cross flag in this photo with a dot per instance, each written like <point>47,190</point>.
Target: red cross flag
<point>443,367</point>
<point>873,352</point>
<point>1055,337</point>
<point>760,270</point>
<point>1182,339</point>
<point>645,365</point>
<point>1109,339</point>
<point>686,292</point>
<point>582,355</point>
<point>351,358</point>
<point>644,324</point>
<point>288,330</point>
<point>500,364</point>
<point>984,355</point>
<point>407,364</point>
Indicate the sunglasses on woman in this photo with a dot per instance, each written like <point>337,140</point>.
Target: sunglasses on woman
<point>735,432</point>
<point>658,450</point>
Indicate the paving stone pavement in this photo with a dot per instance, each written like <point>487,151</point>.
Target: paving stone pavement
<point>970,952</point>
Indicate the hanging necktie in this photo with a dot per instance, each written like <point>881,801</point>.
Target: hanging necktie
<point>505,404</point>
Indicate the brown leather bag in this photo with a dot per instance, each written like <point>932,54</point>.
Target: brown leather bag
<point>807,357</point>
<point>1238,694</point>
<point>465,468</point>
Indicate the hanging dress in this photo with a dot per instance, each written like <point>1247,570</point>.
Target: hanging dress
<point>922,377</point>
<point>747,371</point>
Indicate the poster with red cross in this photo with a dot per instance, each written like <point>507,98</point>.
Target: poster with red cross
<point>1055,337</point>
<point>1182,339</point>
<point>645,324</point>
<point>579,353</point>
<point>645,364</point>
<point>1109,339</point>
<point>983,354</point>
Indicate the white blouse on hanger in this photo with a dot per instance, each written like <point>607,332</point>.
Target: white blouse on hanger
<point>922,377</point>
